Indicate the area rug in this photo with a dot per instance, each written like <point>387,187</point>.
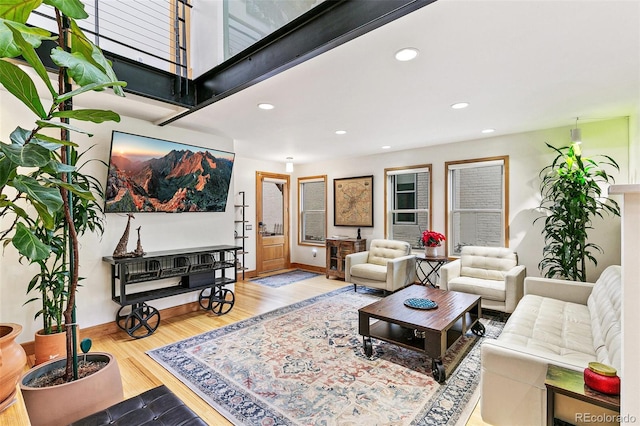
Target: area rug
<point>304,365</point>
<point>279,280</point>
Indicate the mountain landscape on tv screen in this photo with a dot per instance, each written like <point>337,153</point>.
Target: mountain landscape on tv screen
<point>181,181</point>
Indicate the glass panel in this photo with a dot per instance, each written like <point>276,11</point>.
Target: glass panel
<point>476,229</point>
<point>412,232</point>
<point>272,208</point>
<point>422,190</point>
<point>406,201</point>
<point>406,182</point>
<point>248,21</point>
<point>313,196</point>
<point>313,224</point>
<point>477,188</point>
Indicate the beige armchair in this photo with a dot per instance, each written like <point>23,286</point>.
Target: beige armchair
<point>490,272</point>
<point>388,265</point>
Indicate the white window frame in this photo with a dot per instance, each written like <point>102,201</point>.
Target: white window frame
<point>301,212</point>
<point>390,195</point>
<point>451,167</point>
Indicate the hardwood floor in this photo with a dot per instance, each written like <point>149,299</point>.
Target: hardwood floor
<point>139,373</point>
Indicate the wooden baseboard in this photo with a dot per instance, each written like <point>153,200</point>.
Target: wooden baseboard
<point>247,275</point>
<point>101,330</point>
<point>312,268</point>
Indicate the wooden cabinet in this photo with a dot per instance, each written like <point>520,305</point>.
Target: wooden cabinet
<point>337,251</point>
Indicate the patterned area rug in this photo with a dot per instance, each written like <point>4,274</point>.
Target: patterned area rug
<point>304,364</point>
<point>275,281</point>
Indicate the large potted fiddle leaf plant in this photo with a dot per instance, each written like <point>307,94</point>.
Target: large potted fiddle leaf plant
<point>49,286</point>
<point>41,185</point>
<point>571,189</point>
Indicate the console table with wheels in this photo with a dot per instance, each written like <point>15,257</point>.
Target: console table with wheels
<point>207,269</point>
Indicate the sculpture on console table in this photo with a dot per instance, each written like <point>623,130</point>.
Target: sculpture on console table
<point>138,251</point>
<point>121,248</point>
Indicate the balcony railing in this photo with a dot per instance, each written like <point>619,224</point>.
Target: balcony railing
<point>153,32</point>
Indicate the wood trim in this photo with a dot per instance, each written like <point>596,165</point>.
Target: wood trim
<point>447,164</point>
<point>299,211</point>
<point>247,274</point>
<point>312,268</point>
<point>386,197</point>
<point>286,217</point>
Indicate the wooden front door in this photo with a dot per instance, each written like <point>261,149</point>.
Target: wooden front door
<point>272,211</point>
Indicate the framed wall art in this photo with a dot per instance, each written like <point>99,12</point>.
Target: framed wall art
<point>353,201</point>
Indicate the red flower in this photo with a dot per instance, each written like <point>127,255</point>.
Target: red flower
<point>432,238</point>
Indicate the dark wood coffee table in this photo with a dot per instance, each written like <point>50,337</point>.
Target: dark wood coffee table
<point>430,331</point>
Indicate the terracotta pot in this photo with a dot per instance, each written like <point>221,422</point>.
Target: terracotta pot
<point>12,362</point>
<point>68,402</point>
<point>48,347</point>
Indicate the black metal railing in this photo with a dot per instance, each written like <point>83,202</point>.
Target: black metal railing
<point>151,32</point>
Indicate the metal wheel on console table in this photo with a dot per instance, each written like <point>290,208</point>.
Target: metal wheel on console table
<point>141,321</point>
<point>217,299</point>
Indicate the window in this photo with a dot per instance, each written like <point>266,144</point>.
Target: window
<point>407,203</point>
<point>312,200</point>
<point>476,203</point>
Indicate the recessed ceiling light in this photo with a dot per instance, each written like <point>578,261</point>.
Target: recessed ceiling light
<point>460,105</point>
<point>406,54</point>
<point>386,147</point>
<point>341,132</point>
<point>265,105</point>
<point>488,130</point>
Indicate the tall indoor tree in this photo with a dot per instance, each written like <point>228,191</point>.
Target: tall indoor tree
<point>39,180</point>
<point>571,189</point>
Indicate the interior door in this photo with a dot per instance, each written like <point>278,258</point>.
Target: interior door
<point>272,211</point>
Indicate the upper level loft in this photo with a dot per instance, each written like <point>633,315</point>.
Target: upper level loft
<point>192,53</point>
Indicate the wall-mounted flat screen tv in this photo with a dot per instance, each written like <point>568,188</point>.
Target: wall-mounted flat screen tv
<point>155,175</point>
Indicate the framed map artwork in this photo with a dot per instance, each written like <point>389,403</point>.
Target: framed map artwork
<point>353,201</point>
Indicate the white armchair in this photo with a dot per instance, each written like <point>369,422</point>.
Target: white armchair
<point>387,265</point>
<point>490,272</point>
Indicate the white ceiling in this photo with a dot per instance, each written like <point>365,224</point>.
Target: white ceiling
<point>522,65</point>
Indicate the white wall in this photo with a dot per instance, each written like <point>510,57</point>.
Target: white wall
<point>527,153</point>
<point>160,231</point>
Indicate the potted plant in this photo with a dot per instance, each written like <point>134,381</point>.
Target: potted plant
<point>431,240</point>
<point>50,284</point>
<point>13,358</point>
<point>571,189</point>
<point>40,183</point>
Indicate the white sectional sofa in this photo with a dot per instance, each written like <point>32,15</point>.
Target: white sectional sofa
<point>559,322</point>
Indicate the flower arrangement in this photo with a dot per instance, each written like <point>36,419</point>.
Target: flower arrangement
<point>432,238</point>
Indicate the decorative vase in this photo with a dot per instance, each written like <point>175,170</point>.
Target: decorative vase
<point>12,361</point>
<point>68,402</point>
<point>48,347</point>
<point>431,251</point>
